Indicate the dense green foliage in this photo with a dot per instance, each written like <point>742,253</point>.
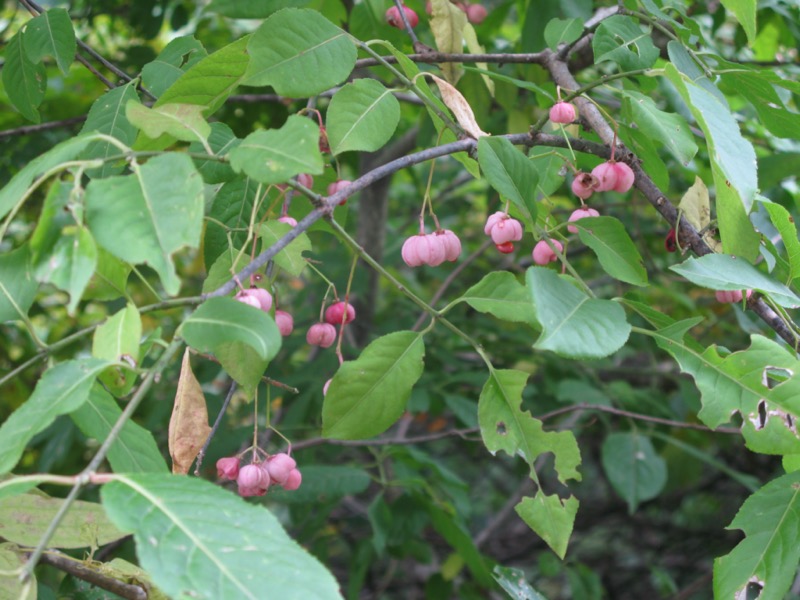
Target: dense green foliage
<point>598,426</point>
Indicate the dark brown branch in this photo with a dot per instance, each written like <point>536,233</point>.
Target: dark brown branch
<point>27,129</point>
<point>442,57</point>
<point>81,571</point>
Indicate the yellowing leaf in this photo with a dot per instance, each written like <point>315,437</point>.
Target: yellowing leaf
<point>188,426</point>
<point>460,107</point>
<point>447,24</point>
<point>695,206</point>
<point>475,48</point>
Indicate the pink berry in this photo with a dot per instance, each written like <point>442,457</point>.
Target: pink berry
<point>246,298</point>
<point>246,492</point>
<point>289,220</point>
<point>252,476</point>
<point>607,176</point>
<point>336,313</point>
<point>279,466</point>
<point>580,213</point>
<point>506,248</point>
<point>293,481</point>
<point>394,19</point>
<point>625,177</point>
<point>284,321</point>
<point>452,245</point>
<point>562,112</point>
<point>263,296</point>
<point>476,13</point>
<point>493,220</point>
<point>305,180</point>
<point>507,230</point>
<point>228,468</point>
<point>321,334</point>
<point>584,185</point>
<point>338,186</point>
<point>424,249</point>
<point>731,296</point>
<point>543,254</point>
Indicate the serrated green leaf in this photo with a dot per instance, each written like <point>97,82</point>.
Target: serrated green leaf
<point>195,538</point>
<point>573,324</point>
<point>299,53</point>
<point>745,13</point>
<point>621,39</point>
<point>725,272</point>
<point>769,554</point>
<point>761,93</point>
<point>171,63</point>
<point>62,389</point>
<point>362,115</point>
<point>551,517</point>
<point>277,155</point>
<point>17,285</point>
<point>510,173</point>
<point>24,80</point>
<point>156,211</point>
<point>784,223</point>
<point>367,395</point>
<point>562,31</point>
<point>110,277</point>
<point>670,129</point>
<point>245,9</point>
<point>221,320</point>
<point>183,122</point>
<point>135,449</point>
<point>70,264</point>
<point>290,258</point>
<point>51,34</point>
<point>500,294</point>
<point>633,468</point>
<point>615,250</point>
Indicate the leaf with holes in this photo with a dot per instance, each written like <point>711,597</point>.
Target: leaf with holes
<point>172,62</point>
<point>196,539</point>
<point>562,31</point>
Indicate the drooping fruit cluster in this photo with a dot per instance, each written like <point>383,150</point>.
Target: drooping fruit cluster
<point>255,479</point>
<point>431,248</point>
<point>394,19</point>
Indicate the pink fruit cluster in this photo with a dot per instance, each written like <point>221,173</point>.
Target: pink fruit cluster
<point>324,334</point>
<point>732,296</point>
<point>338,186</point>
<point>431,249</point>
<point>605,177</point>
<point>257,477</point>
<point>394,19</point>
<point>503,230</point>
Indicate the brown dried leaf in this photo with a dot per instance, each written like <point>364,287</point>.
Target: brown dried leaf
<point>188,426</point>
<point>447,24</point>
<point>460,107</point>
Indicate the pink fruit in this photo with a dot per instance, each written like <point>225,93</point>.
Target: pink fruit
<point>293,481</point>
<point>338,186</point>
<point>671,242</point>
<point>506,230</point>
<point>476,13</point>
<point>228,468</point>
<point>543,254</point>
<point>452,245</point>
<point>246,298</point>
<point>493,220</point>
<point>562,112</point>
<point>506,248</point>
<point>584,185</point>
<point>731,296</point>
<point>289,220</point>
<point>245,492</point>
<point>252,477</point>
<point>321,334</point>
<point>394,19</point>
<point>580,213</point>
<point>625,177</point>
<point>424,249</point>
<point>305,180</point>
<point>284,321</point>
<point>279,466</point>
<point>607,176</point>
<point>336,313</point>
<point>263,296</point>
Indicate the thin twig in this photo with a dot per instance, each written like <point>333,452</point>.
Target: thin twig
<point>201,455</point>
<point>28,129</point>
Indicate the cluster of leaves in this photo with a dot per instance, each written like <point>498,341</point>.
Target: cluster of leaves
<point>167,199</point>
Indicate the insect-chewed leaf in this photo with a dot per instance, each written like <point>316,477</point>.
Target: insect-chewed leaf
<point>188,427</point>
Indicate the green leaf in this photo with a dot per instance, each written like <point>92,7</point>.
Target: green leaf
<point>299,53</point>
<point>505,426</point>
<point>369,394</point>
<point>745,13</point>
<point>770,553</point>
<point>51,34</point>
<point>25,518</point>
<point>362,115</point>
<point>222,140</point>
<point>211,80</point>
<point>17,286</point>
<point>784,223</point>
<point>510,173</point>
<point>514,583</point>
<point>135,449</point>
<point>633,467</point>
<point>774,168</point>
<point>70,265</point>
<point>221,320</point>
<point>223,270</point>
<point>12,561</point>
<point>242,364</point>
<point>277,155</point>
<point>118,340</point>
<point>156,211</point>
<point>684,63</point>
<point>246,9</point>
<point>725,272</point>
<point>107,115</point>
<point>194,538</point>
<point>183,122</point>
<point>573,324</point>
<point>622,40</point>
<point>615,250</point>
<point>62,389</point>
<point>548,163</point>
<point>500,294</point>
<point>290,259</point>
<point>454,532</point>
<point>171,63</point>
<point>772,112</point>
<point>645,148</point>
<point>233,206</point>
<point>670,129</point>
<point>562,31</point>
<point>110,277</point>
<point>744,383</point>
<point>24,81</point>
